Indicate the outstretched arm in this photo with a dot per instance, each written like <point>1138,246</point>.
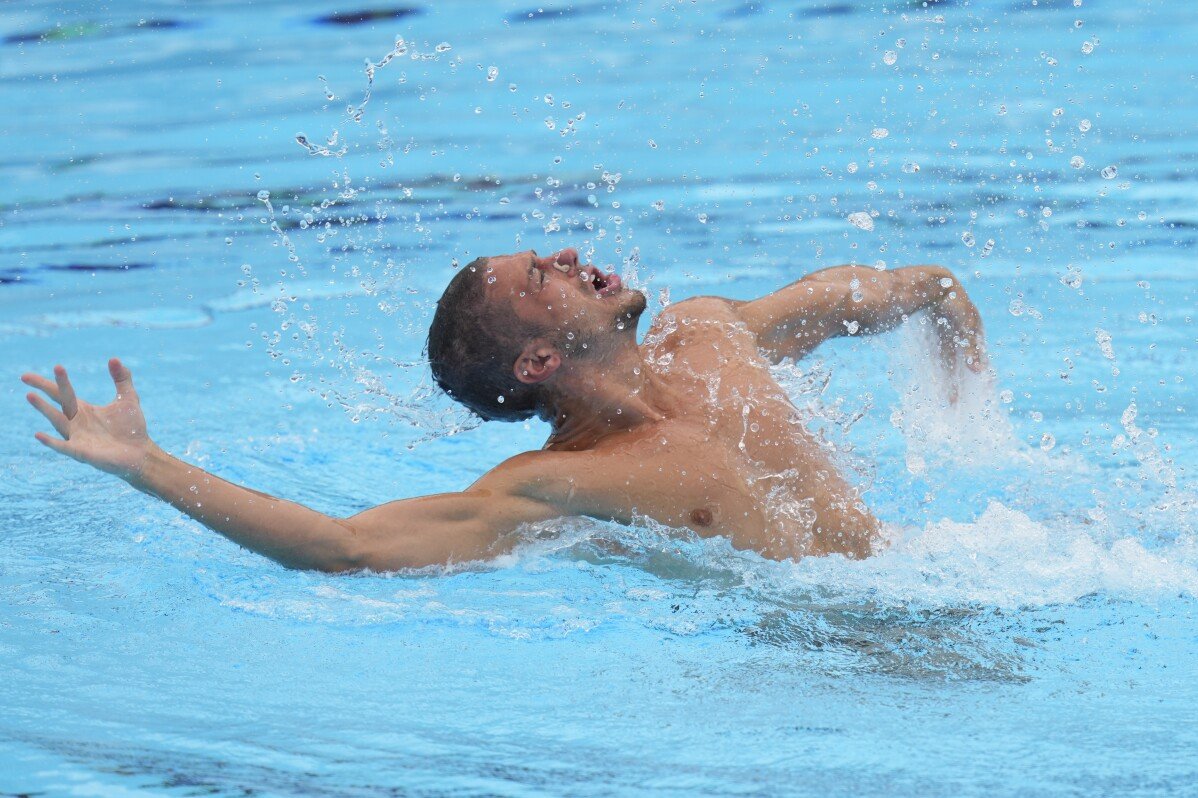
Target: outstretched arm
<point>405,534</point>
<point>851,300</point>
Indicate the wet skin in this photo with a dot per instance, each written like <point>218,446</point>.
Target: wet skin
<point>688,428</point>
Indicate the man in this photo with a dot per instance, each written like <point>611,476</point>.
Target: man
<point>688,428</point>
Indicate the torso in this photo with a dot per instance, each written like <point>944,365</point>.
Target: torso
<point>732,458</point>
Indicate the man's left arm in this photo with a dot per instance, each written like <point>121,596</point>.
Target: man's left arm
<point>860,300</point>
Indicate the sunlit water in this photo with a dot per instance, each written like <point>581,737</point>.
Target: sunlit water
<point>1031,628</point>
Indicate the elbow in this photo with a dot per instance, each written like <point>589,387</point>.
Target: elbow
<point>346,552</point>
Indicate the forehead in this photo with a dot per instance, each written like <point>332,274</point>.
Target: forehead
<point>506,275</point>
<point>520,260</point>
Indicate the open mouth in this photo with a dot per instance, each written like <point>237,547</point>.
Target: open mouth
<point>604,284</point>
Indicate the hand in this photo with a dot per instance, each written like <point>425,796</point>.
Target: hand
<point>111,438</point>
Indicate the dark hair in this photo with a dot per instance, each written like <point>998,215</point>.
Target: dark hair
<point>472,347</point>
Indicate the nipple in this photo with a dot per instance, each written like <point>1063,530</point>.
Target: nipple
<point>701,517</point>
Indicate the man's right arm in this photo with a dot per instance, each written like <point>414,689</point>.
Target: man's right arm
<point>411,533</point>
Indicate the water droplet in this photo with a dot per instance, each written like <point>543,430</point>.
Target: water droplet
<point>443,47</point>
<point>492,73</point>
<point>1109,172</point>
<point>1058,111</point>
<point>263,195</point>
<point>880,133</point>
<point>988,247</point>
<point>852,167</point>
<point>1084,125</point>
<point>511,87</point>
<point>1077,162</point>
<point>1047,441</point>
<point>910,167</point>
<point>861,220</point>
<point>652,144</point>
<point>702,218</point>
<point>968,240</point>
<point>499,399</point>
<point>889,57</point>
<point>946,282</point>
<point>659,205</point>
<point>1087,47</point>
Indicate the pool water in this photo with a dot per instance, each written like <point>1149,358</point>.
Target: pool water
<point>1032,628</point>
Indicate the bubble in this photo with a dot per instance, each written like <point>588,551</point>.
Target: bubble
<point>988,247</point>
<point>1084,125</point>
<point>263,195</point>
<point>659,205</point>
<point>1077,162</point>
<point>652,144</point>
<point>702,218</point>
<point>889,57</point>
<point>946,282</point>
<point>1007,396</point>
<point>1058,111</point>
<point>968,240</point>
<point>499,399</point>
<point>1047,441</point>
<point>852,167</point>
<point>1109,172</point>
<point>1087,47</point>
<point>492,73</point>
<point>861,220</point>
<point>880,133</point>
<point>910,167</point>
<point>443,47</point>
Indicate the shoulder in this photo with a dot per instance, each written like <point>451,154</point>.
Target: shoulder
<point>703,308</point>
<point>542,475</point>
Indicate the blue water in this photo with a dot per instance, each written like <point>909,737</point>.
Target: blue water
<point>1032,629</point>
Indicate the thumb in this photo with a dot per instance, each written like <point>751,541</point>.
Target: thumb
<point>122,378</point>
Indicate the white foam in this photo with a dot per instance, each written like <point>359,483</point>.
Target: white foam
<point>1006,559</point>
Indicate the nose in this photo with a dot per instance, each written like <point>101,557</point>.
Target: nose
<point>566,257</point>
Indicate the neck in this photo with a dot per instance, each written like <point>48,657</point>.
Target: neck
<point>593,399</point>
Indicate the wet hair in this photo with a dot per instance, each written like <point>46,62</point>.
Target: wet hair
<point>472,346</point>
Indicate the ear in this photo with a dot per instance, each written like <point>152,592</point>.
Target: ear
<point>538,362</point>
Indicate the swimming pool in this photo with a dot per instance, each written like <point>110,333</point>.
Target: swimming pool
<point>1031,632</point>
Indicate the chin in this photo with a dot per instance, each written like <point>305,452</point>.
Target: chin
<point>632,305</point>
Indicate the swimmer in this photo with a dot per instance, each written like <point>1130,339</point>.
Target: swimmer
<point>688,427</point>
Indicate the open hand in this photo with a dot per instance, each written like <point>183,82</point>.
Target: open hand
<point>111,437</point>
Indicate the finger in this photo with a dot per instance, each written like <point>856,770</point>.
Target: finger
<point>57,444</point>
<point>122,378</point>
<point>52,414</point>
<point>42,384</point>
<point>70,405</point>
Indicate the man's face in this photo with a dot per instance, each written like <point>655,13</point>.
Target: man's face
<point>584,306</point>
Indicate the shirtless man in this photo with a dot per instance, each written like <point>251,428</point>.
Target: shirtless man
<point>688,428</point>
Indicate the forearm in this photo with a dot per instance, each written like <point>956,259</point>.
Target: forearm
<point>859,300</point>
<point>289,533</point>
